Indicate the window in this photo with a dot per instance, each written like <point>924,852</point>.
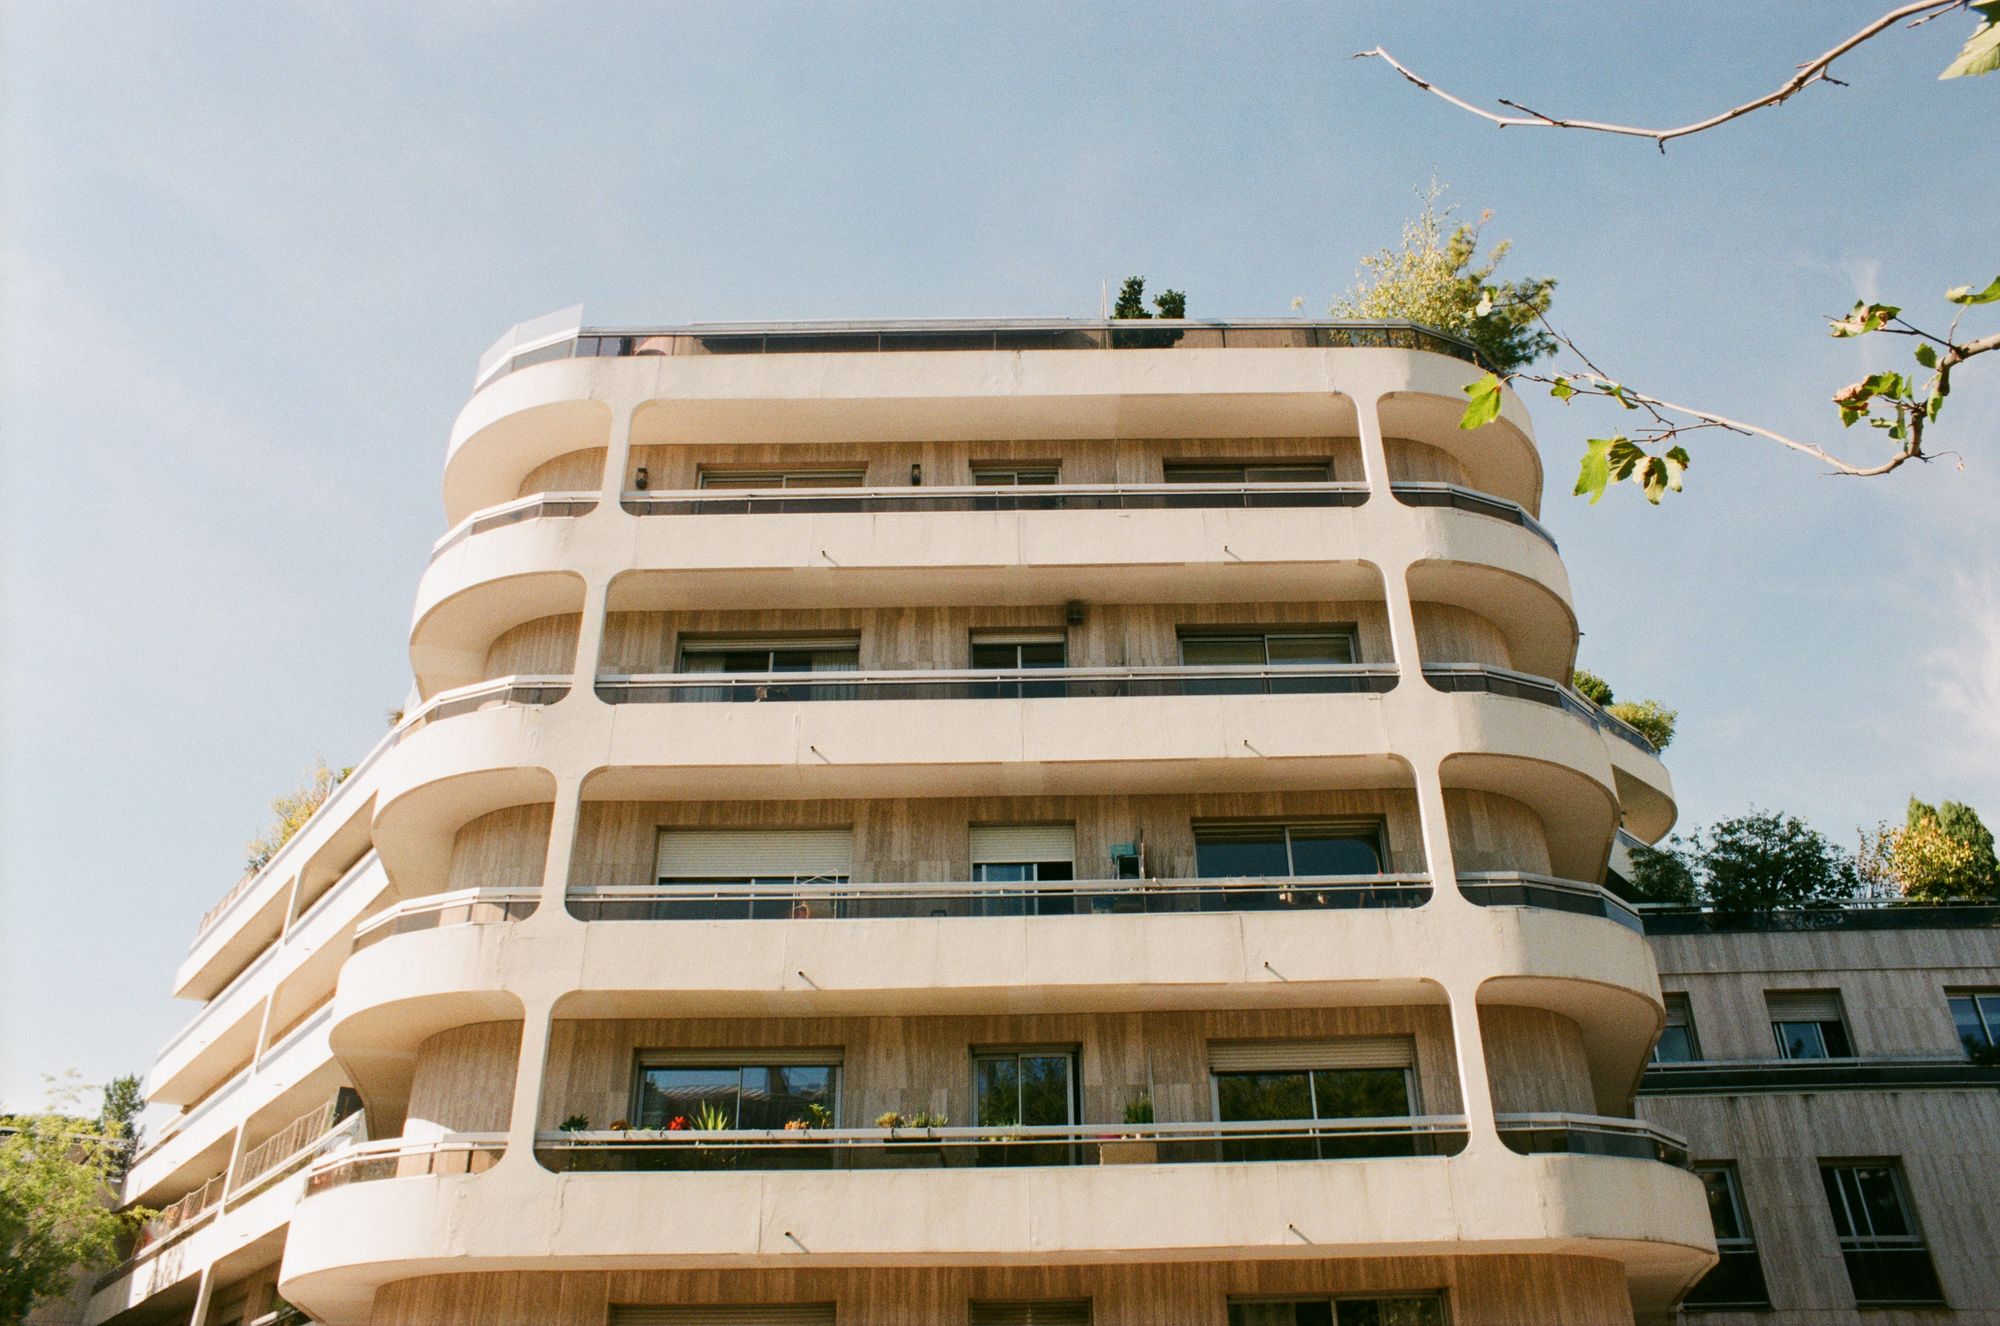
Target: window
<point>1276,471</point>
<point>740,1089</point>
<point>1028,1088</point>
<point>1807,1024</point>
<point>1737,1281</point>
<point>1677,1044</point>
<point>1269,649</point>
<point>782,478</point>
<point>1014,650</point>
<point>1008,476</point>
<point>1024,854</point>
<point>1041,1313</point>
<point>774,860</point>
<point>1887,1260</point>
<point>1976,1013</point>
<point>1403,1310</point>
<point>731,1314</point>
<point>1256,850</point>
<point>1357,1077</point>
<point>753,655</point>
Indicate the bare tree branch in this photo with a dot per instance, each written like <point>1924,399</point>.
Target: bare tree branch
<point>1810,72</point>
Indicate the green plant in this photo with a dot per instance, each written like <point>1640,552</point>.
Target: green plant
<point>1430,279</point>
<point>1757,862</point>
<point>890,1119</point>
<point>923,1119</point>
<point>711,1118</point>
<point>1649,718</point>
<point>292,810</point>
<point>817,1115</point>
<point>1131,307</point>
<point>575,1123</point>
<point>1942,853</point>
<point>1139,1109</point>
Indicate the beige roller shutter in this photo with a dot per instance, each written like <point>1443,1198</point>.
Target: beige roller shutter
<point>1064,1313</point>
<point>765,853</point>
<point>1023,842</point>
<point>1343,1052</point>
<point>747,1056</point>
<point>1804,1005</point>
<point>774,1314</point>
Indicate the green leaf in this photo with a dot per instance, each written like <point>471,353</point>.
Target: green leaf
<point>1887,384</point>
<point>1926,356</point>
<point>1981,52</point>
<point>1561,389</point>
<point>1484,404</point>
<point>1865,318</point>
<point>1616,391</point>
<point>1963,294</point>
<point>1932,407</point>
<point>1596,468</point>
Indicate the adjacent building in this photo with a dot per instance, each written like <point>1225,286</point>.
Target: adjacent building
<point>1003,822</point>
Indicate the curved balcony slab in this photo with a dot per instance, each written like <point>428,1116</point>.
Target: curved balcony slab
<point>537,413</point>
<point>1645,789</point>
<point>348,1241</point>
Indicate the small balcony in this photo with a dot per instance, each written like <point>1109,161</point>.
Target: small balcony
<point>985,684</point>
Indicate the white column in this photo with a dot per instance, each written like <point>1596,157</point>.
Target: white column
<point>1474,1083</point>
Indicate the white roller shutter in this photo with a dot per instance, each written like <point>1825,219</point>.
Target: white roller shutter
<point>762,853</point>
<point>1070,1313</point>
<point>1804,1005</point>
<point>775,1314</point>
<point>1023,842</point>
<point>1343,1052</point>
<point>710,644</point>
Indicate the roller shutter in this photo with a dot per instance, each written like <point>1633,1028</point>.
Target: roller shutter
<point>1804,1005</point>
<point>1075,1313</point>
<point>776,1314</point>
<point>755,853</point>
<point>1023,842</point>
<point>751,1056</point>
<point>1280,1056</point>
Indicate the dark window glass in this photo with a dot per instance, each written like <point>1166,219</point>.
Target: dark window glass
<point>1331,852</point>
<point>742,1096</point>
<point>1737,1280</point>
<point>1278,850</point>
<point>1242,854</point>
<point>1223,472</point>
<point>1418,1310</point>
<point>1209,651</point>
<point>1811,1040</point>
<point>1677,1044</point>
<point>1887,1260</point>
<point>1976,1015</point>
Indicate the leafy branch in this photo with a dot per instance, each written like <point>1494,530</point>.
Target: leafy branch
<point>1652,456</point>
<point>1980,55</point>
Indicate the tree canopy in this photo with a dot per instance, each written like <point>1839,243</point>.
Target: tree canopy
<point>1651,719</point>
<point>1430,278</point>
<point>58,1177</point>
<point>291,811</point>
<point>1942,853</point>
<point>1757,862</point>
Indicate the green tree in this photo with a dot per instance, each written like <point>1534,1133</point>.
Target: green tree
<point>1757,862</point>
<point>292,810</point>
<point>1943,853</point>
<point>1651,719</point>
<point>1430,279</point>
<point>118,1117</point>
<point>1131,307</point>
<point>58,1176</point>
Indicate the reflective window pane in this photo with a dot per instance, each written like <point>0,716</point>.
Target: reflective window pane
<point>1207,651</point>
<point>1302,649</point>
<point>1329,852</point>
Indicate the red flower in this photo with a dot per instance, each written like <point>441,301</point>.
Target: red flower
<point>678,1122</point>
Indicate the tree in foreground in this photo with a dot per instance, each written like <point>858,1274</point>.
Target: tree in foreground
<point>1902,405</point>
<point>1757,862</point>
<point>1942,853</point>
<point>58,1178</point>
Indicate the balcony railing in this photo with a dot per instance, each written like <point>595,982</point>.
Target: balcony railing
<point>460,907</point>
<point>1007,684</point>
<point>1526,686</point>
<point>288,1149</point>
<point>1151,897</point>
<point>532,507</point>
<point>1592,1135</point>
<point>1026,497</point>
<point>479,695</point>
<point>1468,499</point>
<point>936,335</point>
<point>1512,888</point>
<point>403,1158</point>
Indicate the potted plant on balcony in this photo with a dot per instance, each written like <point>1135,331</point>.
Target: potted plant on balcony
<point>1131,1148</point>
<point>912,1150</point>
<point>712,1118</point>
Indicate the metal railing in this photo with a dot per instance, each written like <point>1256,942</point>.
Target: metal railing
<point>930,335</point>
<point>402,1158</point>
<point>460,907</point>
<point>1516,888</point>
<point>1025,497</point>
<point>1469,499</point>
<point>1001,1146</point>
<point>292,1143</point>
<point>1592,1135</point>
<point>1111,897</point>
<point>1526,686</point>
<point>181,1218</point>
<point>490,694</point>
<point>997,684</point>
<point>532,507</point>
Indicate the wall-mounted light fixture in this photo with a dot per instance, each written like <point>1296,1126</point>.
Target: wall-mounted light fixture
<point>916,475</point>
<point>1073,612</point>
<point>640,478</point>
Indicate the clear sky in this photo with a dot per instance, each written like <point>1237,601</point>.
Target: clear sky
<point>253,251</point>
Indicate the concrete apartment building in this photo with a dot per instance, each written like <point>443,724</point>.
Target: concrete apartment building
<point>1017,822</point>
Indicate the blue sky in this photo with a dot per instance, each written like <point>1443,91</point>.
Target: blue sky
<point>252,253</point>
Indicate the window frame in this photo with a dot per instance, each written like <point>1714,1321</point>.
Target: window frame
<point>1857,1244</point>
<point>1982,999</point>
<point>1333,1301</point>
<point>1741,1244</point>
<point>1819,1025</point>
<point>1169,468</point>
<point>771,645</point>
<point>1264,635</point>
<point>778,478</point>
<point>1671,1000</point>
<point>988,474</point>
<point>1071,1053</point>
<point>1375,829</point>
<point>740,1061</point>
